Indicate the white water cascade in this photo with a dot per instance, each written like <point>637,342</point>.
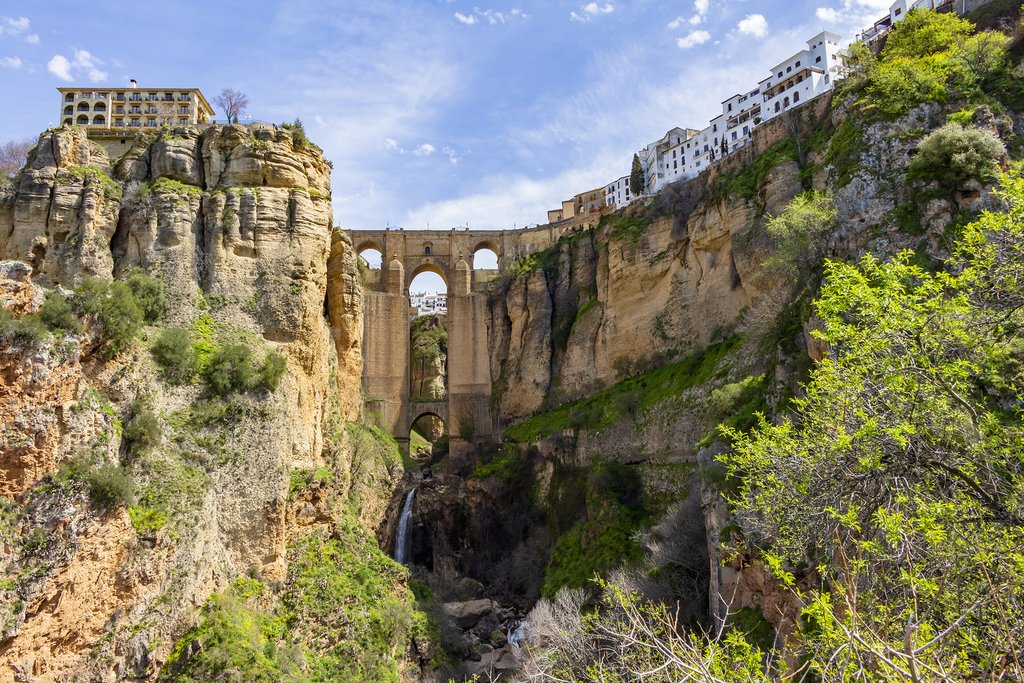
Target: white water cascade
<point>404,533</point>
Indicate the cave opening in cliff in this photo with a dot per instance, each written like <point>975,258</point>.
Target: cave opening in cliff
<point>428,437</point>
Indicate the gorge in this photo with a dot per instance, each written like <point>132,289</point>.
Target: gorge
<point>220,426</point>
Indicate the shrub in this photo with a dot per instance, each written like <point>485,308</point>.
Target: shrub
<point>955,154</point>
<point>149,294</point>
<point>798,232</point>
<point>58,314</point>
<point>116,310</point>
<point>25,329</point>
<point>141,430</point>
<point>177,358</point>
<point>274,366</point>
<point>229,370</point>
<point>109,484</point>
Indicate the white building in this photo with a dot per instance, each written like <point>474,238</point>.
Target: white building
<point>617,193</point>
<point>803,76</point>
<point>897,12</point>
<point>429,304</point>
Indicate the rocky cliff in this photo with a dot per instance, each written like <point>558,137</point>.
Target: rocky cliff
<point>236,224</point>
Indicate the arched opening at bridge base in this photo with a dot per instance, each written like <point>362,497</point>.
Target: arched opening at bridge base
<point>428,437</point>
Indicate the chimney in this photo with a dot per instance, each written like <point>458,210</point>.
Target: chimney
<point>133,83</point>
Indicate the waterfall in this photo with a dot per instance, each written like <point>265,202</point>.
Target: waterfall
<point>402,536</point>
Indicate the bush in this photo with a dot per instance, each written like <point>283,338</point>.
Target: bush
<point>116,310</point>
<point>955,154</point>
<point>141,430</point>
<point>25,329</point>
<point>58,314</point>
<point>109,484</point>
<point>230,370</point>
<point>177,358</point>
<point>274,366</point>
<point>797,233</point>
<point>149,294</point>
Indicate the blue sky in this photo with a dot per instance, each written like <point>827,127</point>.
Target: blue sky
<point>444,113</point>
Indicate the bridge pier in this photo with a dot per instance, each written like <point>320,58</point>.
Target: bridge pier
<point>386,324</point>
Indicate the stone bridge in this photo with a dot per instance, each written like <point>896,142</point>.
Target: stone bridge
<point>387,313</point>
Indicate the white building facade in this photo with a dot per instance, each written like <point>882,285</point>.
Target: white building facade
<point>684,153</point>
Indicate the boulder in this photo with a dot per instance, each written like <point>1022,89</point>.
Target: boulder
<point>467,614</point>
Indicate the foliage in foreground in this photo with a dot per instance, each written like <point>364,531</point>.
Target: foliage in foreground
<point>899,480</point>
<point>345,616</point>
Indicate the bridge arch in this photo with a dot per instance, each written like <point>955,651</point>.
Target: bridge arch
<point>430,267</point>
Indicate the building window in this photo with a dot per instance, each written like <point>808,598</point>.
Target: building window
<point>898,11</point>
<point>183,122</point>
<point>826,78</point>
<point>426,250</point>
<point>119,97</point>
<point>135,122</point>
<point>83,120</point>
<point>818,60</point>
<point>730,106</point>
<point>67,122</point>
<point>69,109</point>
<point>796,97</point>
<point>777,107</point>
<point>780,74</point>
<point>69,97</point>
<point>785,102</point>
<point>100,107</point>
<point>746,130</point>
<point>789,69</point>
<point>798,65</point>
<point>83,106</point>
<point>184,110</point>
<point>99,120</point>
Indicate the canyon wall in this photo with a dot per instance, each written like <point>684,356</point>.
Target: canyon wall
<point>236,222</point>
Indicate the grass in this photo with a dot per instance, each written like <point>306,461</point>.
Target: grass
<point>610,496</point>
<point>608,406</point>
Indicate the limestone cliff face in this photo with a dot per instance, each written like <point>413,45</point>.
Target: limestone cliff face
<point>237,223</point>
<point>607,300</point>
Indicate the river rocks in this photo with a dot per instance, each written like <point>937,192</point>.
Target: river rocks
<point>468,614</point>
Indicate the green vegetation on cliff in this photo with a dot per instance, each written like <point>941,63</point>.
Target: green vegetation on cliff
<point>345,615</point>
<point>628,398</point>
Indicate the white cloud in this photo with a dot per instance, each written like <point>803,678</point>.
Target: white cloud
<point>10,63</point>
<point>424,150</point>
<point>60,67</point>
<point>675,23</point>
<point>452,155</point>
<point>318,120</point>
<point>754,25</point>
<point>591,10</point>
<point>84,63</point>
<point>12,27</point>
<point>693,39</point>
<point>853,14</point>
<point>492,17</point>
<point>32,39</point>
<point>701,6</point>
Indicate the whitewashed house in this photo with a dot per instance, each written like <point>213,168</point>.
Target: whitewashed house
<point>803,76</point>
<point>617,193</point>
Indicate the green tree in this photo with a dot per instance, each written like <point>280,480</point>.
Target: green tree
<point>637,182</point>
<point>899,476</point>
<point>798,233</point>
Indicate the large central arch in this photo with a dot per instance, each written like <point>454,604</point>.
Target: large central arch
<point>386,323</point>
